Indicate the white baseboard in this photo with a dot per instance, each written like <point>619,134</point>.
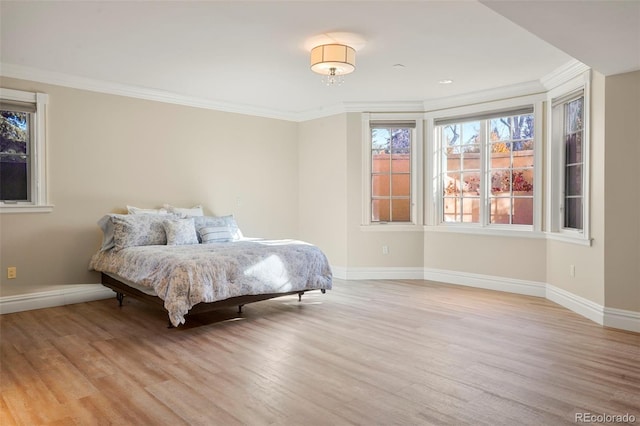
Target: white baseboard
<point>622,319</point>
<point>609,317</point>
<point>47,299</point>
<point>577,304</point>
<point>490,282</point>
<point>339,272</point>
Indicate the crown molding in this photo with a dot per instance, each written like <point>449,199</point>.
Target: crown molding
<point>555,78</point>
<point>390,106</point>
<point>498,93</point>
<point>562,74</point>
<point>321,112</point>
<point>108,87</point>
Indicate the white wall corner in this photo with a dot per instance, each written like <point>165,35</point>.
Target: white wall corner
<point>47,299</point>
<point>489,282</point>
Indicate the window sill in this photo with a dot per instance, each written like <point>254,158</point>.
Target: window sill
<point>392,227</point>
<point>570,239</point>
<point>25,208</point>
<point>494,232</point>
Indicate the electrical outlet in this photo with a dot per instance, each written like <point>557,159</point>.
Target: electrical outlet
<point>12,272</point>
<point>385,249</point>
<point>572,270</point>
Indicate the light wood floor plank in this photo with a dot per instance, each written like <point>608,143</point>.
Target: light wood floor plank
<point>370,352</point>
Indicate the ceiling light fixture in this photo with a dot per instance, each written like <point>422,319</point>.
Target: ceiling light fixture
<point>333,61</point>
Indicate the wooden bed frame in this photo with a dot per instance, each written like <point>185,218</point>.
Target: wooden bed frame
<point>123,289</point>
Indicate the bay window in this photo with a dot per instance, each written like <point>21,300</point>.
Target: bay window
<point>484,169</point>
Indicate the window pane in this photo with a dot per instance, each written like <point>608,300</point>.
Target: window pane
<point>400,141</point>
<point>14,178</point>
<point>451,138</point>
<point>523,145</point>
<point>523,158</point>
<point>451,207</point>
<point>574,148</point>
<point>401,185</point>
<point>500,210</point>
<point>499,130</point>
<point>452,162</point>
<point>14,156</point>
<point>401,163</point>
<point>522,182</point>
<point>380,211</point>
<point>522,211</point>
<point>573,213</point>
<point>380,161</point>
<point>471,160</point>
<point>470,210</point>
<point>381,140</point>
<point>401,210</point>
<point>573,182</point>
<point>574,115</point>
<point>471,185</point>
<point>500,182</point>
<point>500,155</point>
<point>380,185</point>
<point>470,133</point>
<point>452,184</point>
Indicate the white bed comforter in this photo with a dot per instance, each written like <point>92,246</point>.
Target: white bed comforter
<point>183,276</point>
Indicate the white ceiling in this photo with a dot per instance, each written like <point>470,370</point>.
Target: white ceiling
<point>256,54</point>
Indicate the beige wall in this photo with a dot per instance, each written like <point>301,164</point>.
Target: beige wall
<point>622,193</point>
<point>365,247</point>
<point>509,257</point>
<point>323,185</point>
<point>108,151</point>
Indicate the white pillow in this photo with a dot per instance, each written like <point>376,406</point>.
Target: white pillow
<point>215,234</point>
<point>138,210</point>
<point>180,232</point>
<point>185,212</point>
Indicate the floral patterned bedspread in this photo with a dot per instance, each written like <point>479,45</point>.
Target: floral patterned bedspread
<point>183,276</point>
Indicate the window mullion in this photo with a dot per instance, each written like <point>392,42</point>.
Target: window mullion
<point>485,147</point>
<point>391,153</point>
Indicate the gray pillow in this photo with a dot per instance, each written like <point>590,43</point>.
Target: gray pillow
<point>131,230</point>
<point>180,232</point>
<point>106,225</point>
<point>215,234</point>
<point>209,221</point>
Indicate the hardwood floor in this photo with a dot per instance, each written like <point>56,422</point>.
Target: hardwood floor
<point>367,352</point>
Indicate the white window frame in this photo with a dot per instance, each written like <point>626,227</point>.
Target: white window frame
<point>417,138</point>
<point>556,163</point>
<point>39,197</point>
<point>434,197</point>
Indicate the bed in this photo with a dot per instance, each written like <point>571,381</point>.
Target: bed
<point>143,256</point>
